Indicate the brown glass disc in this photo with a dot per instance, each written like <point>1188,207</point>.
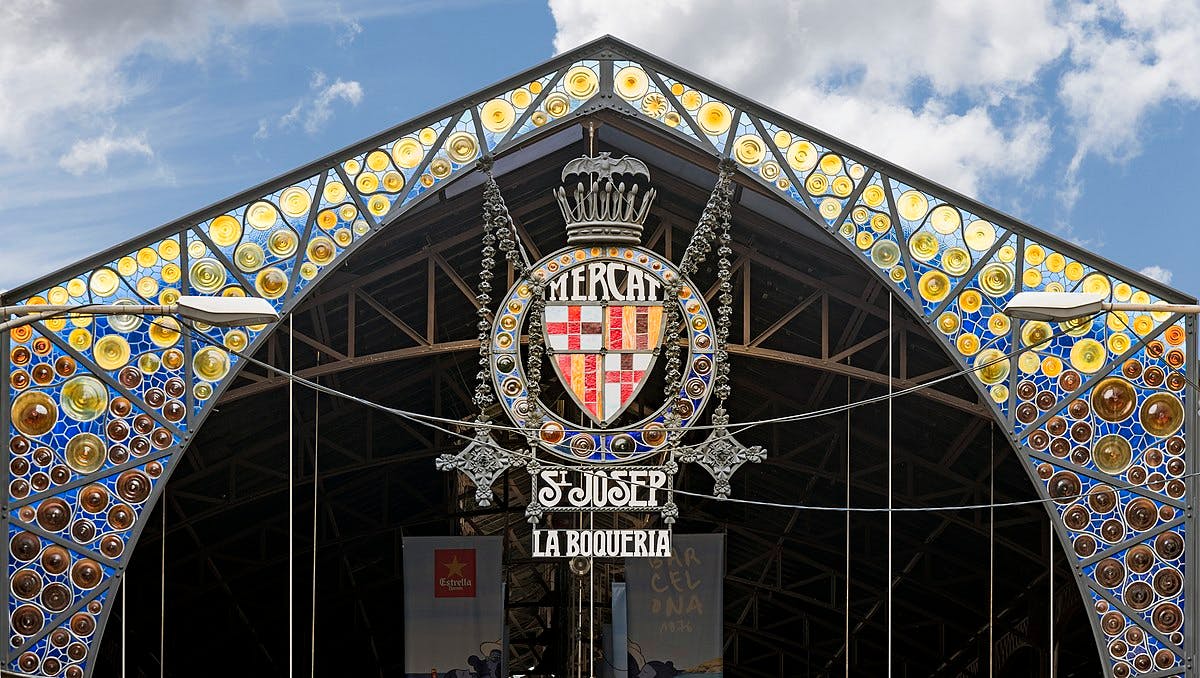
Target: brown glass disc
<point>111,546</point>
<point>1085,545</point>
<point>1139,595</point>
<point>1113,530</point>
<point>1076,517</point>
<point>1110,573</point>
<point>1168,582</point>
<point>1141,514</point>
<point>133,486</point>
<point>1114,399</point>
<point>83,624</point>
<point>1064,487</point>
<point>1102,499</point>
<point>28,620</point>
<point>120,517</point>
<point>53,514</point>
<point>86,573</point>
<point>24,546</point>
<point>56,597</point>
<point>1112,623</point>
<point>1139,559</point>
<point>25,584</point>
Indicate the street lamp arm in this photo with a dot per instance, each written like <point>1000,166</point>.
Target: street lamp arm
<point>1065,306</point>
<point>215,311</point>
<point>1186,309</point>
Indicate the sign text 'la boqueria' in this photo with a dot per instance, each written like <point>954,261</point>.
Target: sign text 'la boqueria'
<point>638,488</point>
<point>602,543</point>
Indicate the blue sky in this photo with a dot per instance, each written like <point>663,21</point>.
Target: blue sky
<point>1077,117</point>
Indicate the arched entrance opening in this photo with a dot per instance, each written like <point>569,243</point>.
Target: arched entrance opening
<point>393,321</point>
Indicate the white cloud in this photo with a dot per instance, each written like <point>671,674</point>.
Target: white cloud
<point>92,155</point>
<point>921,83</point>
<point>955,91</point>
<point>313,113</point>
<point>63,62</point>
<point>1159,273</point>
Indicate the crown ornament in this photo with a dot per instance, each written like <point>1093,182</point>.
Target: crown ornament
<point>604,206</point>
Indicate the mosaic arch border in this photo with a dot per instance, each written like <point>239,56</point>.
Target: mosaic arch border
<point>127,396</point>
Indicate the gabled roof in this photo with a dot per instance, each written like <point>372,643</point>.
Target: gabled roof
<point>665,85</point>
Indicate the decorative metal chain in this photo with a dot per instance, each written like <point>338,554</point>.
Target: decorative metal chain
<point>537,349</point>
<point>493,216</point>
<point>716,215</point>
<point>725,309</point>
<point>502,221</point>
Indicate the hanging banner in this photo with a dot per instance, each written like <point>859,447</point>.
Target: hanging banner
<point>675,609</point>
<point>453,607</point>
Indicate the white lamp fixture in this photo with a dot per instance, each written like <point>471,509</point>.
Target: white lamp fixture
<point>215,311</point>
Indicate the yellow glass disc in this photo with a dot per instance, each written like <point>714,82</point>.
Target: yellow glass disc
<point>1055,262</point>
<point>842,186</point>
<point>261,215</point>
<point>1097,283</point>
<point>249,256</point>
<point>956,261</point>
<point>970,300</point>
<point>770,170</point>
<point>898,274</point>
<point>85,452</point>
<point>654,105</point>
<point>146,257</point>
<point>125,266</point>
<point>996,279</point>
<point>945,219</point>
<point>427,136</point>
<point>749,149</point>
<point>196,248</point>
<point>1087,355</point>
<point>211,363</point>
<point>348,212</point>
<point>352,166</point>
<point>321,250</point>
<point>520,98</point>
<point>999,393</point>
<point>880,223</point>
<point>923,245</point>
<point>1122,291</point>
<point>1052,366</point>
<point>236,340</point>
<point>1143,324</point>
<point>326,219</point>
<point>631,83</point>
<point>947,323</point>
<point>1032,278</point>
<point>1036,334</point>
<point>830,208</point>
<point>999,324</point>
<point>873,195</point>
<point>864,239</point>
<point>1035,254</point>
<point>782,138</point>
<point>172,359</point>
<point>557,105</point>
<point>377,161</point>
<point>912,205</point>
<point>933,286</point>
<point>967,343</point>
<point>802,156</point>
<point>207,275</point>
<point>461,147</point>
<point>816,183</point>
<point>1118,343</point>
<point>1029,362</point>
<point>164,331</point>
<point>1054,286</point>
<point>440,168</point>
<point>581,82</point>
<point>294,201</point>
<point>407,153</point>
<point>343,236</point>
<point>497,115</point>
<point>991,366</point>
<point>846,229</point>
<point>979,235</point>
<point>885,254</point>
<point>283,242</point>
<point>1140,297</point>
<point>147,286</point>
<point>367,183</point>
<point>80,339</point>
<point>378,205</point>
<point>714,118</point>
<point>535,87</point>
<point>1007,254</point>
<point>168,296</point>
<point>111,352</point>
<point>393,181</point>
<point>691,99</point>
<point>1117,320</point>
<point>308,270</point>
<point>1077,327</point>
<point>104,282</point>
<point>271,283</point>
<point>1073,270</point>
<point>334,192</point>
<point>831,164</point>
<point>168,249</point>
<point>225,230</point>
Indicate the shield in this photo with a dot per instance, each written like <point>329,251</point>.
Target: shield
<point>603,353</point>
